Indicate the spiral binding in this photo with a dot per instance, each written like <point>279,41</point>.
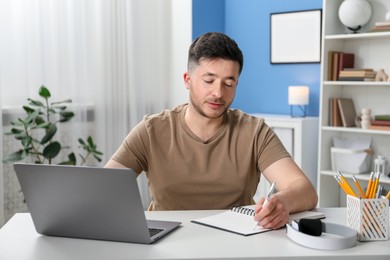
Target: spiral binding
<point>243,210</point>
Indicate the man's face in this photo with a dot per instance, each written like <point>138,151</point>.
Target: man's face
<point>212,86</point>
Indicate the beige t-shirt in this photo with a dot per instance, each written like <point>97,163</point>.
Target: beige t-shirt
<point>185,172</point>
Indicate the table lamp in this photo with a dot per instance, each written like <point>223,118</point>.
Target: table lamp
<point>298,99</point>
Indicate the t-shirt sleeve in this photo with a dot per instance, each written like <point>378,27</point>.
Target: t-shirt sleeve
<point>132,153</point>
<point>270,148</point>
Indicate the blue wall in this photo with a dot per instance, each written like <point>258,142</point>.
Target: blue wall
<point>263,86</point>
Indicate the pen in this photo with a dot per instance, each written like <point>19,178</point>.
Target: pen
<point>267,198</point>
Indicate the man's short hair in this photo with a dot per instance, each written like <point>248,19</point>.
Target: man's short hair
<point>214,45</point>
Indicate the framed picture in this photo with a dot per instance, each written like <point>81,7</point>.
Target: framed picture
<point>296,37</point>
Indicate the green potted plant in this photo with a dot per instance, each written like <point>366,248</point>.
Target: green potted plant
<point>42,119</point>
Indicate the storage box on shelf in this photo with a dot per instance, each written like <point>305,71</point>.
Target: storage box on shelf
<point>371,50</point>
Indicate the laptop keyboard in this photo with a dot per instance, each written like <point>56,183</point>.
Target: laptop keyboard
<point>154,231</point>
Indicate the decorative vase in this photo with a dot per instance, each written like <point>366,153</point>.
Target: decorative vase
<point>354,14</point>
<point>366,118</point>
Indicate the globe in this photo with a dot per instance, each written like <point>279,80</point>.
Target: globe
<point>354,14</point>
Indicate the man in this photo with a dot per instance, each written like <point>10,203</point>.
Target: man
<point>204,155</point>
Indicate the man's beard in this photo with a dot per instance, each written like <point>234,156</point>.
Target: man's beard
<point>198,108</point>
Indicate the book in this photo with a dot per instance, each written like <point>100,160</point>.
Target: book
<point>379,127</point>
<point>334,113</point>
<point>330,112</point>
<point>359,69</point>
<point>346,60</point>
<point>347,111</point>
<point>335,65</point>
<point>380,28</point>
<point>240,220</point>
<point>380,122</point>
<point>356,73</point>
<point>356,79</point>
<point>383,23</point>
<point>330,65</point>
<point>382,117</point>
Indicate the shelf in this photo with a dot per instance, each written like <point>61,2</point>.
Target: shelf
<point>368,35</point>
<point>356,83</point>
<point>362,176</point>
<point>372,50</point>
<point>355,130</point>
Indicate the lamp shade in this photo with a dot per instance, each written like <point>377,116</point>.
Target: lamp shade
<point>298,95</point>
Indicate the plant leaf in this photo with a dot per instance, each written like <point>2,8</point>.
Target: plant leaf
<point>16,131</point>
<point>44,92</point>
<point>20,136</point>
<point>14,157</point>
<point>26,141</point>
<point>50,132</point>
<point>90,141</point>
<point>32,115</point>
<point>28,109</point>
<point>72,157</point>
<point>18,123</point>
<point>97,158</point>
<point>96,152</point>
<point>43,125</point>
<point>51,150</point>
<point>59,107</point>
<point>39,120</point>
<point>67,114</point>
<point>36,103</point>
<point>52,111</point>
<point>81,141</point>
<point>61,102</point>
<point>72,160</point>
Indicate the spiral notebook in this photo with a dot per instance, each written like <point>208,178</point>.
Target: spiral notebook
<point>240,220</point>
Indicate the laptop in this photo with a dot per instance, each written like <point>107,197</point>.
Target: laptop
<point>88,202</point>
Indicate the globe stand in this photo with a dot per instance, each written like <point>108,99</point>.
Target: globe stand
<point>355,30</point>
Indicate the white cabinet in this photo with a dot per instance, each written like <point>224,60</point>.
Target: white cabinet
<point>1,197</point>
<point>372,50</point>
<point>300,137</point>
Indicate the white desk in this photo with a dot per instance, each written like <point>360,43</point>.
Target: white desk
<point>18,240</point>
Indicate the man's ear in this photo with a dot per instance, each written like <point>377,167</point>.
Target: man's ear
<point>187,79</point>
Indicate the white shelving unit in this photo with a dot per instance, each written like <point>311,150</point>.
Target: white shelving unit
<point>299,135</point>
<point>372,50</point>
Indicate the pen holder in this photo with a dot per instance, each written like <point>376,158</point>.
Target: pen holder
<point>369,218</point>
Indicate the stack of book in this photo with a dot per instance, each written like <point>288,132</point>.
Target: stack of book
<point>381,27</point>
<point>380,122</point>
<point>357,75</point>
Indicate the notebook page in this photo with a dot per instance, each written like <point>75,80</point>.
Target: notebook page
<point>232,221</point>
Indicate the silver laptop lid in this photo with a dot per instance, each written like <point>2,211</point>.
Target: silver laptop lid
<point>85,202</point>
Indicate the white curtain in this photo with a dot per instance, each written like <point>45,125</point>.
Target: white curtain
<point>137,60</point>
<point>113,58</point>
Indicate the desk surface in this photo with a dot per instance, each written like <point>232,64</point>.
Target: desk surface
<point>19,240</point>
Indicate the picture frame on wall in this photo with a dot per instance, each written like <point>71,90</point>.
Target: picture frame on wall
<point>295,37</point>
